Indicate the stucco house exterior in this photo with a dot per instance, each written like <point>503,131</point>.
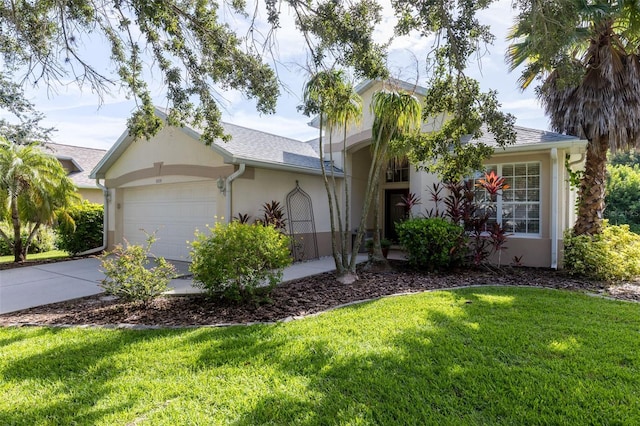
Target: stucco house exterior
<point>79,162</point>
<point>538,207</point>
<point>173,184</point>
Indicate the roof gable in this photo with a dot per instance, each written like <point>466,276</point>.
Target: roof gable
<point>252,147</point>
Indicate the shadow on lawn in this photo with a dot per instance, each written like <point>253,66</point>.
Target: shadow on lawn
<point>472,356</point>
<point>466,365</point>
<point>69,379</point>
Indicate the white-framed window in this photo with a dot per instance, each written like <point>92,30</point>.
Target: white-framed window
<point>518,207</point>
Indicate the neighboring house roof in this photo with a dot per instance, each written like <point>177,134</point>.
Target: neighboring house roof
<point>252,147</point>
<point>77,161</point>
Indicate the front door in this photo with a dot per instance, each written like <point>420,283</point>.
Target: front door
<point>393,212</point>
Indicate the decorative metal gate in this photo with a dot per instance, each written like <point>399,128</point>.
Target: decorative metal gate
<point>302,227</point>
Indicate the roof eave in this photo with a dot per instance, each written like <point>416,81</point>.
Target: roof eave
<point>579,144</point>
<point>281,167</point>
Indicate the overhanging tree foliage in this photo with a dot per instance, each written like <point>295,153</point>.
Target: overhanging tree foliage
<point>454,103</point>
<point>585,55</point>
<point>45,42</point>
<point>185,43</point>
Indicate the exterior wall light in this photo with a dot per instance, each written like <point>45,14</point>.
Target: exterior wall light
<point>221,184</point>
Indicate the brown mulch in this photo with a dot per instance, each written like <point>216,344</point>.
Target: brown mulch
<point>295,298</point>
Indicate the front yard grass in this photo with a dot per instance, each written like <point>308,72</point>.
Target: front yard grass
<point>53,254</point>
<point>487,355</point>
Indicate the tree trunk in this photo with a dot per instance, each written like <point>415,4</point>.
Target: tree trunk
<point>377,259</point>
<point>592,189</point>
<point>18,255</point>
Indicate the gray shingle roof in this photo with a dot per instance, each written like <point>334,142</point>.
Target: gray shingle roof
<point>526,136</point>
<point>79,160</point>
<point>249,144</point>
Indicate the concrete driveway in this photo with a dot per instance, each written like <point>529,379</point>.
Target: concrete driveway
<point>30,286</point>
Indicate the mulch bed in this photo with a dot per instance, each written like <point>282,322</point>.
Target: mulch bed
<point>295,299</point>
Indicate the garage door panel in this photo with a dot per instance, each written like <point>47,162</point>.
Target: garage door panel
<point>174,211</point>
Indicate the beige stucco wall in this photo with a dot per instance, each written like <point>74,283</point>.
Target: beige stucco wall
<point>170,157</point>
<point>260,186</point>
<point>168,147</point>
<point>93,195</point>
<point>359,134</point>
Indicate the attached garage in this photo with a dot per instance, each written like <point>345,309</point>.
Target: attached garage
<point>174,184</point>
<point>174,211</point>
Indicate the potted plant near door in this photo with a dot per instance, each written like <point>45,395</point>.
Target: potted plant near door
<point>385,244</point>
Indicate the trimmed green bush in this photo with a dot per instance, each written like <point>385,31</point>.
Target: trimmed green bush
<point>237,260</point>
<point>612,255</point>
<point>129,276</point>
<point>86,230</point>
<point>431,243</point>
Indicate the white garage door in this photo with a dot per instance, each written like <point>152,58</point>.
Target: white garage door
<point>175,211</point>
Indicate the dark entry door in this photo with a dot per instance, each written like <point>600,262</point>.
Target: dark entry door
<point>393,212</point>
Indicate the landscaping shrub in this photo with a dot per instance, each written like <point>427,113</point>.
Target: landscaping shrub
<point>86,231</point>
<point>612,255</point>
<point>623,196</point>
<point>128,275</point>
<point>431,243</point>
<point>45,240</point>
<point>238,260</point>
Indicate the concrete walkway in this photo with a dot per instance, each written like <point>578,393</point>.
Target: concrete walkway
<point>293,272</point>
<point>30,286</point>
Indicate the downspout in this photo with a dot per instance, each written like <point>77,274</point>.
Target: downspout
<point>105,222</point>
<point>554,208</point>
<point>227,189</point>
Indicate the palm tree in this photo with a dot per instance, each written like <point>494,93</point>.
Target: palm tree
<point>337,104</point>
<point>33,187</point>
<point>586,55</point>
<point>396,115</point>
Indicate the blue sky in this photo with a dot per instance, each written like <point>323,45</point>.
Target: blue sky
<point>81,121</point>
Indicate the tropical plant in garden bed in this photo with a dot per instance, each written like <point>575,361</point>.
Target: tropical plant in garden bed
<point>471,356</point>
<point>239,261</point>
<point>612,255</point>
<point>129,276</point>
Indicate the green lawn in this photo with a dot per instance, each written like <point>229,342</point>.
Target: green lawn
<point>53,254</point>
<point>472,356</point>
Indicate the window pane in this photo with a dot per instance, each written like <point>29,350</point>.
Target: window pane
<point>520,169</point>
<point>533,169</point>
<point>533,182</point>
<point>533,195</point>
<point>520,211</point>
<point>507,195</point>
<point>533,227</point>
